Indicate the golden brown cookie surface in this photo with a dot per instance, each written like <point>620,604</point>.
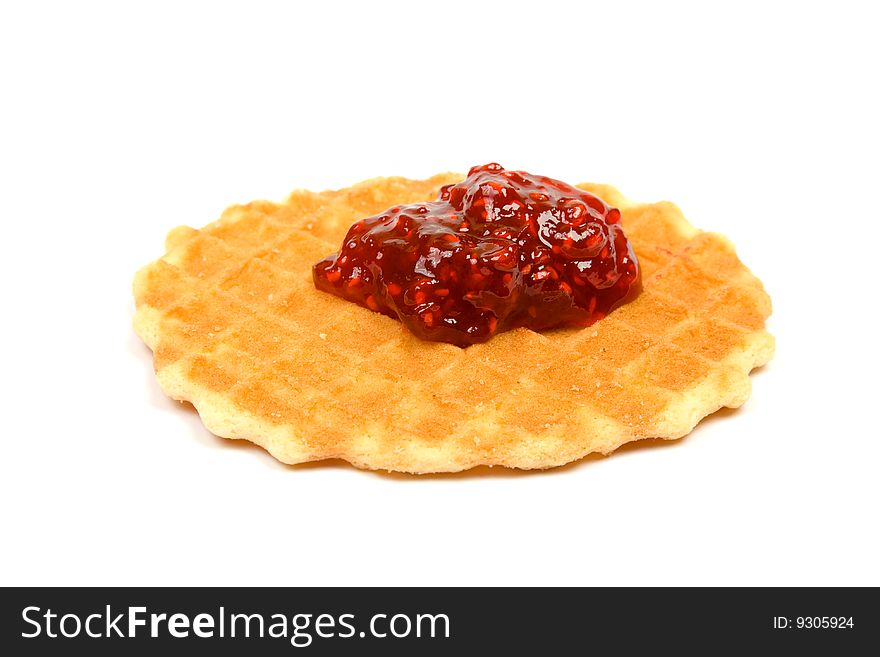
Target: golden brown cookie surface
<point>238,329</point>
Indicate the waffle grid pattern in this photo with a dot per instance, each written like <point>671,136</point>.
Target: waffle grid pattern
<point>238,329</point>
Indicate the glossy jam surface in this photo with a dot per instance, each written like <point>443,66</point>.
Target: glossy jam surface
<point>498,250</point>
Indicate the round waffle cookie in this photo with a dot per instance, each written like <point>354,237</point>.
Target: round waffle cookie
<point>238,329</point>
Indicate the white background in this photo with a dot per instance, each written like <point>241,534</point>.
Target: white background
<point>120,122</point>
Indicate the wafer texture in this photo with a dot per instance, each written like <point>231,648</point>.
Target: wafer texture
<point>238,329</point>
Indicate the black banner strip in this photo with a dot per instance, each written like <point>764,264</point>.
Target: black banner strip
<point>335,621</point>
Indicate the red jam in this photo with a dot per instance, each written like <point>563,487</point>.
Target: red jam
<point>498,250</point>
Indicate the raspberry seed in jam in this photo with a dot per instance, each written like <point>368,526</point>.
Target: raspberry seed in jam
<point>498,250</point>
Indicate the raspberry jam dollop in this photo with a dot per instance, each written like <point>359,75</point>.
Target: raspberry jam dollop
<point>498,250</point>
